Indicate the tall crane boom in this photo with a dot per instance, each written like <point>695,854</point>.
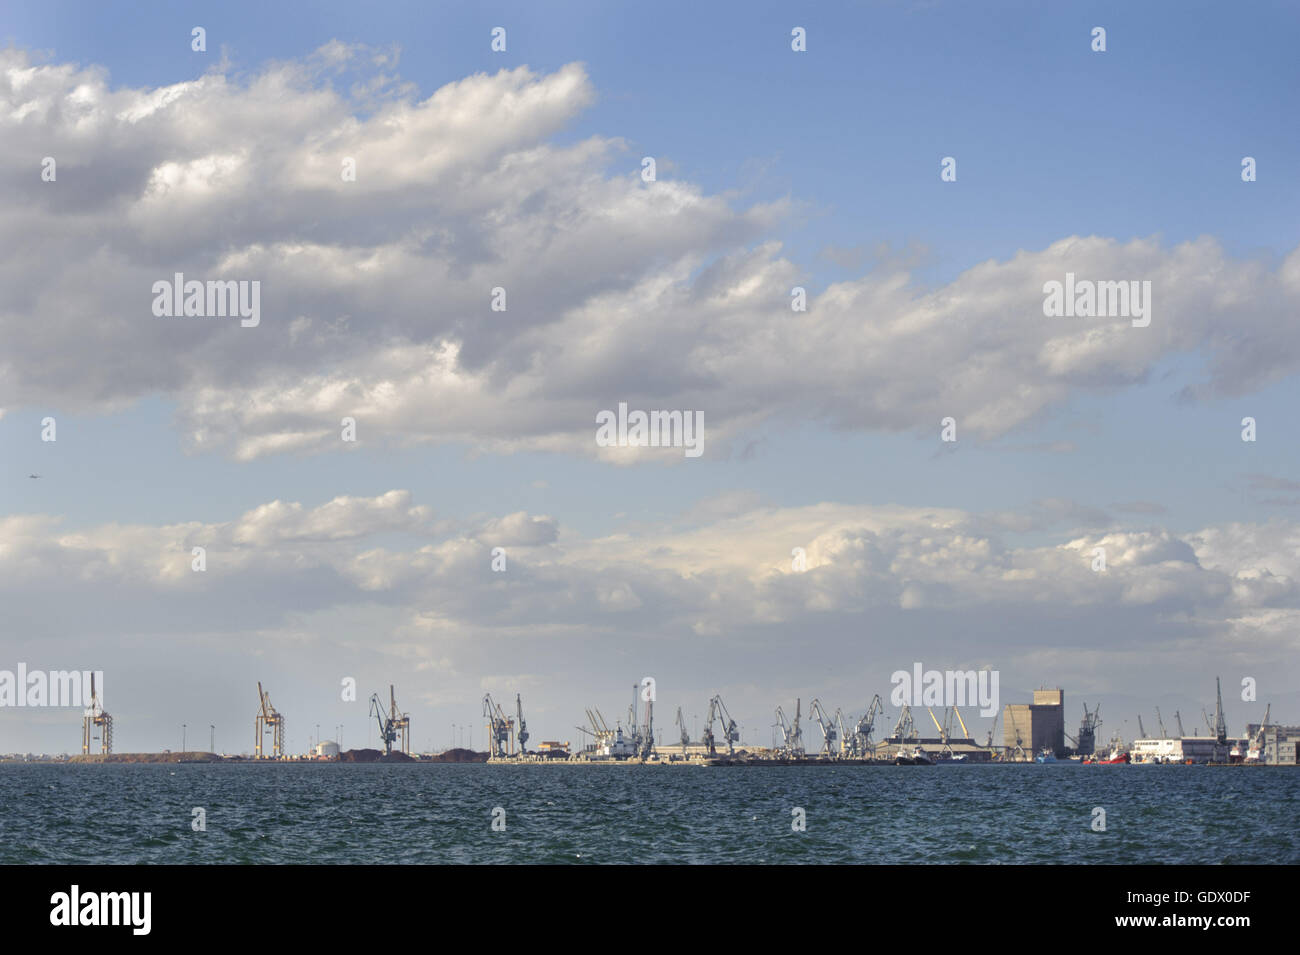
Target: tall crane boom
<point>94,718</point>
<point>965,733</point>
<point>268,719</point>
<point>387,734</point>
<point>1220,724</point>
<point>730,731</point>
<point>401,722</point>
<point>499,728</point>
<point>827,727</point>
<point>791,736</point>
<point>862,731</point>
<point>521,738</point>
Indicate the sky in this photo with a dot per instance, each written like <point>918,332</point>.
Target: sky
<point>521,169</point>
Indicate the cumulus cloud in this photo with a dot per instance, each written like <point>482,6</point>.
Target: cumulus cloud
<point>715,579</point>
<point>376,292</point>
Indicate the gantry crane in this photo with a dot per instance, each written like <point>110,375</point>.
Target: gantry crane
<point>1260,740</point>
<point>791,735</point>
<point>1142,730</point>
<point>1220,724</point>
<point>1160,720</point>
<point>686,735</point>
<point>96,717</point>
<point>730,731</point>
<point>633,729</point>
<point>401,722</point>
<point>796,734</point>
<point>1178,720</point>
<point>268,719</point>
<point>387,732</point>
<point>862,732</point>
<point>645,736</point>
<point>847,744</point>
<point>904,728</point>
<point>784,727</point>
<point>816,712</point>
<point>988,744</point>
<point>1086,744</point>
<point>499,728</point>
<point>521,737</point>
<point>1016,752</point>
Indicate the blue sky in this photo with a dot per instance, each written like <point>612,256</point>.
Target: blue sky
<point>1052,140</point>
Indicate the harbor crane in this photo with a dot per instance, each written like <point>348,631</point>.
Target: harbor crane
<point>1220,724</point>
<point>686,736</point>
<point>387,732</point>
<point>784,727</point>
<point>599,732</point>
<point>904,729</point>
<point>1142,730</point>
<point>944,730</point>
<point>268,719</point>
<point>499,728</point>
<point>988,744</point>
<point>1086,744</point>
<point>791,735</point>
<point>646,740</point>
<point>401,722</point>
<point>730,731</point>
<point>1179,720</point>
<point>847,743</point>
<point>1209,726</point>
<point>862,731</point>
<point>96,717</point>
<point>796,734</point>
<point>521,738</point>
<point>1016,752</point>
<point>1256,748</point>
<point>633,729</point>
<point>816,712</point>
<point>965,733</point>
<point>1160,720</point>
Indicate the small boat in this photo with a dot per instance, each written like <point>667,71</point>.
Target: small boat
<point>902,759</point>
<point>1046,756</point>
<point>921,758</point>
<point>1115,759</point>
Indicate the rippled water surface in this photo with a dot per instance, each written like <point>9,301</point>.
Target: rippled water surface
<point>340,813</point>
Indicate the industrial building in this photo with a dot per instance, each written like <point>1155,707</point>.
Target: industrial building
<point>1194,749</point>
<point>1030,728</point>
<point>1272,745</point>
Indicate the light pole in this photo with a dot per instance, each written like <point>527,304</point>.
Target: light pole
<point>182,739</point>
<point>212,738</point>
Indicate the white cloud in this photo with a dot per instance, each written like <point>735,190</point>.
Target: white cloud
<point>376,292</point>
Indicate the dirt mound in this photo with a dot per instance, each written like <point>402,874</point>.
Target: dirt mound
<point>460,756</point>
<point>372,756</point>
